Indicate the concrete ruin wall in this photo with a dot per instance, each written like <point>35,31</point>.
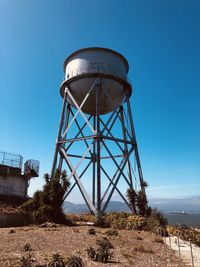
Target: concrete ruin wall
<point>13,185</point>
<point>14,219</point>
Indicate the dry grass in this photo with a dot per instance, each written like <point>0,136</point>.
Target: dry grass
<point>87,217</point>
<point>158,240</point>
<point>69,240</point>
<point>73,217</point>
<point>112,232</point>
<point>142,249</point>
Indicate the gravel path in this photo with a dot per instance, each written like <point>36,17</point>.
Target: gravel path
<point>185,250</point>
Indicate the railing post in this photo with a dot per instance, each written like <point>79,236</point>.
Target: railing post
<point>165,236</point>
<point>4,154</point>
<point>191,254</point>
<point>170,244</point>
<point>179,251</point>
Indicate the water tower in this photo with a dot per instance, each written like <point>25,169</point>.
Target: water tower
<point>96,139</point>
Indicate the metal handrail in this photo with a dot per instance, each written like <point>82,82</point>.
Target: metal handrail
<point>11,160</point>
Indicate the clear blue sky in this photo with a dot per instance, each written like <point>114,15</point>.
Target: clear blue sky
<point>161,41</point>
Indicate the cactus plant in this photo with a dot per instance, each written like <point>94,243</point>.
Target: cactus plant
<point>56,261</point>
<point>103,253</point>
<point>26,260</point>
<point>74,261</point>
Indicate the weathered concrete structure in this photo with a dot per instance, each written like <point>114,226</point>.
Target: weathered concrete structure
<point>14,182</point>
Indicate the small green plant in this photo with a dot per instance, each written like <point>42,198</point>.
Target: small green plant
<point>104,243</point>
<point>112,232</point>
<point>27,247</point>
<point>91,253</point>
<point>26,260</point>
<point>56,261</point>
<point>103,253</point>
<point>74,261</point>
<point>91,231</point>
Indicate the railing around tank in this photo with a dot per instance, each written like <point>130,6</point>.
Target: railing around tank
<point>31,168</point>
<point>11,160</point>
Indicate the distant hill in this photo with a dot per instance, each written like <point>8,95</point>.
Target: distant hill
<point>70,207</point>
<point>164,204</point>
<point>191,204</point>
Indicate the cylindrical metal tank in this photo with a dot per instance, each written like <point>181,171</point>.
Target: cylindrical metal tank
<point>82,69</point>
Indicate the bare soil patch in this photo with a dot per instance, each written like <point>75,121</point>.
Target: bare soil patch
<point>131,248</point>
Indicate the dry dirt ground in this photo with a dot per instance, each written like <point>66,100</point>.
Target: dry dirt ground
<point>70,240</point>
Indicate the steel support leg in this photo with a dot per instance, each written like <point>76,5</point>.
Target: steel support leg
<point>66,121</point>
<point>59,135</point>
<point>94,166</point>
<point>136,148</point>
<point>125,146</point>
<point>98,156</point>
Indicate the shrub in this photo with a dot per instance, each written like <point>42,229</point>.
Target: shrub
<point>74,261</point>
<point>124,220</point>
<point>26,260</point>
<point>101,222</point>
<point>112,232</point>
<point>91,231</point>
<point>91,253</point>
<point>56,261</point>
<point>132,199</point>
<point>142,203</point>
<point>117,220</point>
<point>156,221</point>
<point>27,247</point>
<point>46,205</point>
<point>102,254</point>
<point>135,222</point>
<point>104,243</point>
<point>159,216</point>
<point>138,200</point>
